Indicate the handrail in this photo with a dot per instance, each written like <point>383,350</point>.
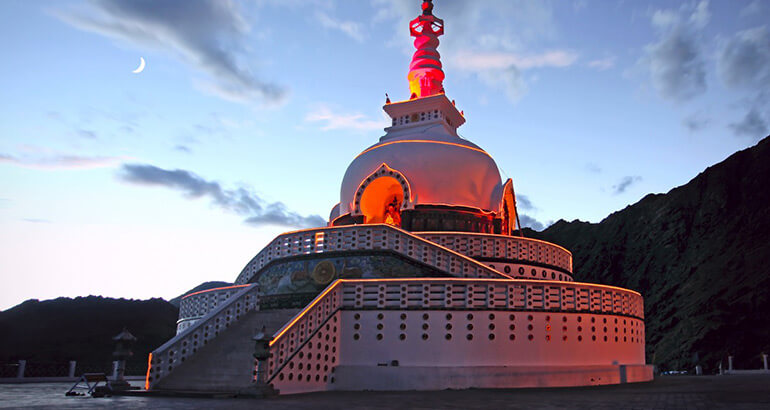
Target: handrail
<point>163,359</point>
<point>366,237</point>
<point>309,321</point>
<point>307,340</point>
<point>309,309</point>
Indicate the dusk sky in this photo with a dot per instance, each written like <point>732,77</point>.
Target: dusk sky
<point>247,114</point>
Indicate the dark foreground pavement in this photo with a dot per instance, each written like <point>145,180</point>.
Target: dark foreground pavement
<point>667,392</point>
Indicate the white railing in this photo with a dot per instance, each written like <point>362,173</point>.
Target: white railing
<point>171,354</point>
<point>194,306</point>
<point>480,245</point>
<point>367,237</point>
<point>512,294</point>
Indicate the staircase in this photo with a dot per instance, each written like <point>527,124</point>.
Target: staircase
<point>215,353</point>
<point>225,364</point>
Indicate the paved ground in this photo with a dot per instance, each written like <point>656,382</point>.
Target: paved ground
<point>668,392</point>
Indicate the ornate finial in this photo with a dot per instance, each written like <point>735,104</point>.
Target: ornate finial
<point>387,99</point>
<point>427,7</point>
<point>425,74</point>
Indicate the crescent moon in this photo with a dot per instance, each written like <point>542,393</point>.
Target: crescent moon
<point>141,66</point>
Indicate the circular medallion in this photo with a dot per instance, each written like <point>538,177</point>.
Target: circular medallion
<point>323,273</point>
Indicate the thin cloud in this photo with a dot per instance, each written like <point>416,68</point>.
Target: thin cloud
<point>240,201</point>
<point>675,62</point>
<point>751,125</point>
<point>206,34</point>
<point>343,121</point>
<point>182,148</point>
<point>624,184</point>
<point>480,61</point>
<point>510,80</point>
<point>87,134</point>
<point>350,28</point>
<point>37,220</point>
<point>744,63</point>
<point>504,69</point>
<point>530,222</point>
<point>602,63</point>
<point>744,60</point>
<point>755,8</point>
<point>696,122</point>
<point>523,202</point>
<point>53,162</point>
<point>701,16</point>
<point>593,168</point>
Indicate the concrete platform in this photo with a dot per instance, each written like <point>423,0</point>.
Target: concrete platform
<point>23,380</point>
<point>667,392</point>
<point>390,378</point>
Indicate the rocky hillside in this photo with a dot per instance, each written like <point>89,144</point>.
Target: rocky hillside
<point>700,256</point>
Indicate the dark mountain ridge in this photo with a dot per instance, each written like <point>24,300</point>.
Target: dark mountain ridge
<point>700,256</point>
<point>82,328</point>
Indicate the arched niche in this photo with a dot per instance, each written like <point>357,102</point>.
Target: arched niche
<point>382,196</point>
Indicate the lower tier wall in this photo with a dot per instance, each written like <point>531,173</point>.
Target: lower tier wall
<point>425,349</point>
<point>489,338</point>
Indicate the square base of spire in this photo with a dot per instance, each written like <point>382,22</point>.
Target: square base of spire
<point>420,111</point>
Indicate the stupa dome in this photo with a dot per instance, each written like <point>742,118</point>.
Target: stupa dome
<point>440,168</point>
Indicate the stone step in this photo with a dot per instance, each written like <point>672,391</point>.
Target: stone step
<point>226,363</point>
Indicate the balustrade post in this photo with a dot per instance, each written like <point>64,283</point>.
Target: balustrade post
<point>729,363</point>
<point>116,368</point>
<point>71,372</point>
<point>764,360</point>
<point>21,369</point>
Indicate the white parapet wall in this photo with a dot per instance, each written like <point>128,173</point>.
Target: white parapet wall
<point>427,334</point>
